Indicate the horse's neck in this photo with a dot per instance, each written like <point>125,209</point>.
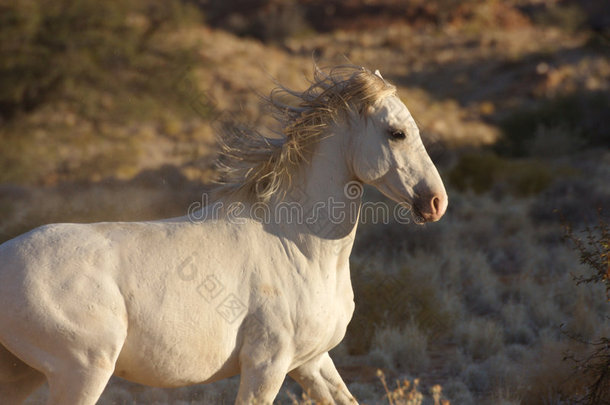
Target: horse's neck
<point>330,214</point>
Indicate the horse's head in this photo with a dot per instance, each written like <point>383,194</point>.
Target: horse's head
<point>388,153</point>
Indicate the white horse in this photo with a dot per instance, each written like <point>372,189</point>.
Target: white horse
<point>258,285</point>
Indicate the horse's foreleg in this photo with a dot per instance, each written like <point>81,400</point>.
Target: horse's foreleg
<point>17,380</point>
<point>260,381</point>
<point>77,359</point>
<point>80,370</point>
<point>321,380</point>
<point>77,385</point>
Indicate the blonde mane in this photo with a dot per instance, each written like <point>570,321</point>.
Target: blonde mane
<point>258,167</point>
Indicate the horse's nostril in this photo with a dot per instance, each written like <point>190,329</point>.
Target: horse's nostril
<point>435,203</point>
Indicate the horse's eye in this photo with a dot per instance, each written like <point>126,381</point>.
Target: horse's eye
<point>397,134</point>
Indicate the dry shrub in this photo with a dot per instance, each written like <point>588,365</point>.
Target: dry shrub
<point>563,15</point>
<point>565,198</point>
<point>407,392</point>
<point>485,15</point>
<point>518,327</point>
<point>480,338</point>
<point>550,379</point>
<point>594,365</point>
<point>406,347</point>
<point>396,299</point>
<point>458,393</point>
<point>594,251</point>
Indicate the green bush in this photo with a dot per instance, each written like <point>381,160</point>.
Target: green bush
<point>576,121</point>
<point>51,48</point>
<point>78,78</point>
<point>267,20</point>
<point>394,300</point>
<point>482,172</point>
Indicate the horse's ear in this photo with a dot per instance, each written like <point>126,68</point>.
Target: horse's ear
<point>378,74</point>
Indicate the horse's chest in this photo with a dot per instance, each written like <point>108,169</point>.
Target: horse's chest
<point>321,325</point>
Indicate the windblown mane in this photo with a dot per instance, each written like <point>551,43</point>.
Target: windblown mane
<point>260,167</point>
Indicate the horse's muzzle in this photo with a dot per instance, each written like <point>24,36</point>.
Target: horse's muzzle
<point>433,207</point>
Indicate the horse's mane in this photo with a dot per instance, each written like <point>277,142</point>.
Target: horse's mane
<point>258,167</point>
